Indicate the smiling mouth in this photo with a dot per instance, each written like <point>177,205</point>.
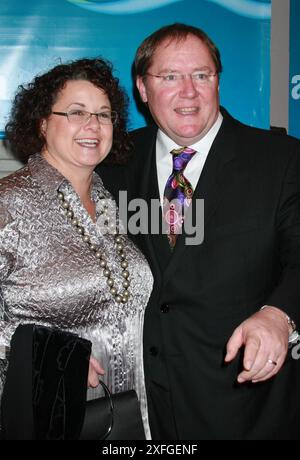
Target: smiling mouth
<point>187,110</point>
<point>89,143</point>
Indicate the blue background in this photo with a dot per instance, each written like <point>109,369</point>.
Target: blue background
<point>294,107</point>
<point>35,35</point>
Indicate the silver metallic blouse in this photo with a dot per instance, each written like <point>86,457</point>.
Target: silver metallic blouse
<point>49,275</point>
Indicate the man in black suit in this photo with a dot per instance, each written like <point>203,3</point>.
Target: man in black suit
<point>217,364</point>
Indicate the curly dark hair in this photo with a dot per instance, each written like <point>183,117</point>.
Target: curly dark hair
<point>34,101</point>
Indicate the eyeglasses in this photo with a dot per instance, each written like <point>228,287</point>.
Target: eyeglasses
<point>82,117</point>
<point>173,79</point>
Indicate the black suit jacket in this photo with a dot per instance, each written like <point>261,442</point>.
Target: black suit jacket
<point>250,257</point>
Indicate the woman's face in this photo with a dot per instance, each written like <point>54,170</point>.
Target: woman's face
<point>71,144</point>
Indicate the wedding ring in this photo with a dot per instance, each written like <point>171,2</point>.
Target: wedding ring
<point>270,361</point>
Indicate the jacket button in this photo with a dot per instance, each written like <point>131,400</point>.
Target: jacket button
<point>153,351</point>
<point>165,308</point>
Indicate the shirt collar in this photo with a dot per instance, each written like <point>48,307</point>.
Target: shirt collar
<point>51,180</point>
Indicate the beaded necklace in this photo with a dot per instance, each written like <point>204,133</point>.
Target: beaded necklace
<point>118,296</point>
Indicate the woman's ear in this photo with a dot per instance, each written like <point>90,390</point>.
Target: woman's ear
<point>43,126</point>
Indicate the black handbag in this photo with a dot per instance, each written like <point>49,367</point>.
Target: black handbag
<point>113,417</point>
<point>44,395</point>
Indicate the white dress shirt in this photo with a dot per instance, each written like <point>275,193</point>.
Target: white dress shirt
<point>164,161</point>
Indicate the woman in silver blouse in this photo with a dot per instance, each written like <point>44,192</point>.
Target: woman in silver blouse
<point>63,261</point>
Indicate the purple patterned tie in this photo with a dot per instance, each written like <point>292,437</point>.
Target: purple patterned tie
<point>178,193</point>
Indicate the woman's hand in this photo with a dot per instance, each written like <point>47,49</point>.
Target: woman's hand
<point>95,370</point>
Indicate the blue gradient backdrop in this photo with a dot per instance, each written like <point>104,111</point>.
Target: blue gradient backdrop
<point>36,35</point>
<point>294,112</point>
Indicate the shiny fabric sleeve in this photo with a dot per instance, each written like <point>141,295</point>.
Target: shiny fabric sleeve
<point>8,257</point>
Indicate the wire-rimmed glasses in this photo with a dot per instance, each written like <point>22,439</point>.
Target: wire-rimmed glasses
<point>82,117</point>
<point>173,79</point>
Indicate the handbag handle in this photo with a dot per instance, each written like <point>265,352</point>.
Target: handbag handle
<point>111,406</point>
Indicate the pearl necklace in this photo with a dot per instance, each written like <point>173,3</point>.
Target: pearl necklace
<point>118,296</point>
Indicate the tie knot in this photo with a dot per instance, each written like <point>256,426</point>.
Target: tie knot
<point>181,157</point>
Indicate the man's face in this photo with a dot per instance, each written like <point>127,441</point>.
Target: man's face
<point>185,111</point>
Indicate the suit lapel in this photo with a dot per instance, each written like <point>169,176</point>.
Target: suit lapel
<point>210,184</point>
<point>147,189</point>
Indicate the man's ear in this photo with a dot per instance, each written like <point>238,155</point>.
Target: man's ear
<point>142,89</point>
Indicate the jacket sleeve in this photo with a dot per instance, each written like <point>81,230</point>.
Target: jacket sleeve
<point>8,257</point>
<point>286,294</point>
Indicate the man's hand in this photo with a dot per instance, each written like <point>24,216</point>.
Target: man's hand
<point>265,337</point>
<point>95,370</point>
